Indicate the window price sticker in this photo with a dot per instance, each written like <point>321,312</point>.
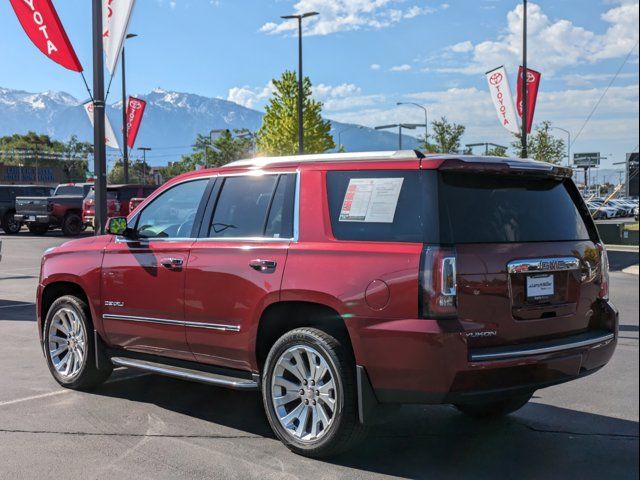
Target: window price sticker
<point>371,200</point>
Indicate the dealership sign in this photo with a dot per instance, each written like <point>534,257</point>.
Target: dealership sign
<point>533,85</point>
<point>110,137</point>
<point>42,25</point>
<point>586,160</point>
<point>502,99</point>
<point>135,112</point>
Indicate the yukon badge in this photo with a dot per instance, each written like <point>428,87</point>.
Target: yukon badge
<point>111,303</point>
<point>482,334</point>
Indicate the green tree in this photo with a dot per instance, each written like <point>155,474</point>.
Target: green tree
<point>446,137</point>
<point>279,132</point>
<point>139,172</point>
<point>228,147</point>
<point>497,152</point>
<point>542,145</point>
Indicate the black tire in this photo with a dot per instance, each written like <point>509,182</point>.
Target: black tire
<point>345,430</point>
<point>38,229</point>
<point>495,408</point>
<point>88,375</point>
<point>72,225</point>
<point>9,224</point>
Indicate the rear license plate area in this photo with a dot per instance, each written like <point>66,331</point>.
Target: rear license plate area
<point>540,287</point>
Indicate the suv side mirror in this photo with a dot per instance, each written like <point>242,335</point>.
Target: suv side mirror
<point>117,226</point>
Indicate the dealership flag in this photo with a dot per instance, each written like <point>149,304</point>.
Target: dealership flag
<point>502,99</point>
<point>42,25</point>
<point>115,23</point>
<point>110,137</point>
<point>533,85</point>
<point>135,112</point>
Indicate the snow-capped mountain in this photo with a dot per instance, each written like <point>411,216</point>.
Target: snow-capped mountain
<point>172,121</point>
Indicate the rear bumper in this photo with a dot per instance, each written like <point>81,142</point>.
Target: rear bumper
<point>39,218</point>
<point>418,361</point>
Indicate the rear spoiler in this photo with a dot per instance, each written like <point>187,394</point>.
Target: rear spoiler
<point>504,166</point>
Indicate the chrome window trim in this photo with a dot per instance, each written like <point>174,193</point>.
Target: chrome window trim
<point>483,357</point>
<point>543,265</point>
<point>179,323</point>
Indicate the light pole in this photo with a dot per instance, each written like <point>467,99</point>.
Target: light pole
<point>300,77</point>
<point>426,117</point>
<point>125,123</point>
<point>358,127</point>
<point>399,126</point>
<point>568,143</point>
<point>144,151</point>
<point>525,126</point>
<point>99,147</point>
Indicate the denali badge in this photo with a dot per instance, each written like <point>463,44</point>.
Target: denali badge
<point>109,303</point>
<point>484,334</point>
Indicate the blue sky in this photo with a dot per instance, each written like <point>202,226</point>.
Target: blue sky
<point>365,55</point>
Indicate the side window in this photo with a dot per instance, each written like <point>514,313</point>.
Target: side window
<point>254,206</point>
<point>172,214</point>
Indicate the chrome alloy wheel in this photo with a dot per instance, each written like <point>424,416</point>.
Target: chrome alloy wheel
<point>304,393</point>
<point>67,343</point>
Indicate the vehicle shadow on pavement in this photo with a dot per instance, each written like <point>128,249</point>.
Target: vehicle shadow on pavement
<point>431,441</point>
<point>17,311</point>
<point>620,260</point>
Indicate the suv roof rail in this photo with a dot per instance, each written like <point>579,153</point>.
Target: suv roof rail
<point>328,157</point>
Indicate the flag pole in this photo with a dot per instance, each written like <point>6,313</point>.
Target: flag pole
<point>525,126</point>
<point>99,132</point>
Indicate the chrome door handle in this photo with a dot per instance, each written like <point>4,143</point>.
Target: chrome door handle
<point>264,266</point>
<point>172,263</point>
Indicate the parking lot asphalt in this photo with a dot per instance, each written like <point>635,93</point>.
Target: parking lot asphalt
<point>147,426</point>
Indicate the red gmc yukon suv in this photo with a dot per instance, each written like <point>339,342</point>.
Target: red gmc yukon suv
<point>339,285</point>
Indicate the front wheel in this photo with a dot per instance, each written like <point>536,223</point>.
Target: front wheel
<point>69,347</point>
<point>72,225</point>
<point>495,408</point>
<point>309,393</point>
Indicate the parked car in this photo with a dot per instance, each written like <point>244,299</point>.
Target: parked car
<point>8,193</point>
<point>339,285</point>
<point>62,210</point>
<point>118,201</point>
<point>602,212</point>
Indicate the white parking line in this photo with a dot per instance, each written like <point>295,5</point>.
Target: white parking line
<point>60,392</point>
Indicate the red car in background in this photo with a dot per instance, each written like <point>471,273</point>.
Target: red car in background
<point>119,199</point>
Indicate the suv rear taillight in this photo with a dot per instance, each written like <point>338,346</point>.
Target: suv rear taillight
<point>604,272</point>
<point>438,284</point>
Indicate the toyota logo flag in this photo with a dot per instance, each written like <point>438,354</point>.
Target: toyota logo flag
<point>533,85</point>
<point>110,137</point>
<point>502,99</point>
<point>115,23</point>
<point>135,111</point>
<point>42,25</point>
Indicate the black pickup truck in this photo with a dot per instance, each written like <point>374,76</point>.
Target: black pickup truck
<point>8,193</point>
<point>62,210</point>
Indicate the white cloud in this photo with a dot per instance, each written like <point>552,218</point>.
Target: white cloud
<point>323,92</point>
<point>375,66</point>
<point>401,68</point>
<point>553,44</point>
<point>588,80</point>
<point>346,15</point>
<point>250,97</point>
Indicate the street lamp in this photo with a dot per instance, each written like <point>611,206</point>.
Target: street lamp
<point>300,77</point>
<point>144,151</point>
<point>358,127</point>
<point>399,126</point>
<point>568,143</point>
<point>125,133</point>
<point>426,117</point>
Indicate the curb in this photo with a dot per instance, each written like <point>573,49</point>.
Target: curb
<point>633,270</point>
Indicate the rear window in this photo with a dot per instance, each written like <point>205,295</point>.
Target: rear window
<point>495,209</point>
<point>111,195</point>
<point>70,190</point>
<point>383,205</point>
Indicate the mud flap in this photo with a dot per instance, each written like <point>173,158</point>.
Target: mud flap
<point>367,402</point>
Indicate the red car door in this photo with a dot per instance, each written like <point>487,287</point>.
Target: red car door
<point>143,280</point>
<point>235,270</point>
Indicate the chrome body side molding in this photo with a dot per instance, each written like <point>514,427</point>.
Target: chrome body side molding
<point>163,321</point>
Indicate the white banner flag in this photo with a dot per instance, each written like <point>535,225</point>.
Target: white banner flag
<point>110,137</point>
<point>115,24</point>
<point>502,99</point>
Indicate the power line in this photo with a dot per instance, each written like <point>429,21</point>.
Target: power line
<point>626,59</point>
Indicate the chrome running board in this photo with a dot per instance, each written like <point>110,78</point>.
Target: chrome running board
<point>188,374</point>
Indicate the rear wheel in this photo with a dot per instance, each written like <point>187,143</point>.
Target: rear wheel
<point>495,408</point>
<point>10,224</point>
<point>69,346</point>
<point>38,229</point>
<point>309,393</point>
<point>72,225</point>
